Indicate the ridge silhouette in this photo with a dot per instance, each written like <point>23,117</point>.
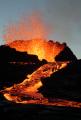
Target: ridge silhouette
<point>15,65</point>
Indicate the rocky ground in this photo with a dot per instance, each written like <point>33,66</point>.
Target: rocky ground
<point>13,111</point>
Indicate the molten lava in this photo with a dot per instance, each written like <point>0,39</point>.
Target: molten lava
<point>30,36</point>
<point>29,87</point>
<point>43,49</point>
<point>27,91</point>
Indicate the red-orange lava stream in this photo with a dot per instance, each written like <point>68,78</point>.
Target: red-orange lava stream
<point>27,91</point>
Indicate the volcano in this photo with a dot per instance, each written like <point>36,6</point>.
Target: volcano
<point>40,72</point>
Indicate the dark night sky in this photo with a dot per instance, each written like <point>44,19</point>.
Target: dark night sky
<point>63,15</point>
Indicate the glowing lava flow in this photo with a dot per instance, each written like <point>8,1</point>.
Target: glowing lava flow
<point>25,34</point>
<point>27,91</point>
<point>29,87</point>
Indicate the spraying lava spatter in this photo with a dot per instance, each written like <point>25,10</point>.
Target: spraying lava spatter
<point>42,48</point>
<point>30,34</point>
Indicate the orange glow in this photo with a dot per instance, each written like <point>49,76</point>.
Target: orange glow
<point>29,87</point>
<point>44,101</point>
<point>42,48</point>
<point>27,28</point>
<point>20,93</point>
<point>29,34</point>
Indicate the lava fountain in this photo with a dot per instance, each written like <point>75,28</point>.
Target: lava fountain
<point>42,48</point>
<point>33,31</point>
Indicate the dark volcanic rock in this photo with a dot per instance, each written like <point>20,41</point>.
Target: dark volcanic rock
<point>15,65</point>
<point>8,54</point>
<point>66,55</point>
<point>65,83</point>
<point>38,112</point>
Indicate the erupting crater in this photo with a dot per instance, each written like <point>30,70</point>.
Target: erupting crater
<point>42,48</point>
<point>29,37</point>
<point>28,91</point>
<point>29,87</point>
